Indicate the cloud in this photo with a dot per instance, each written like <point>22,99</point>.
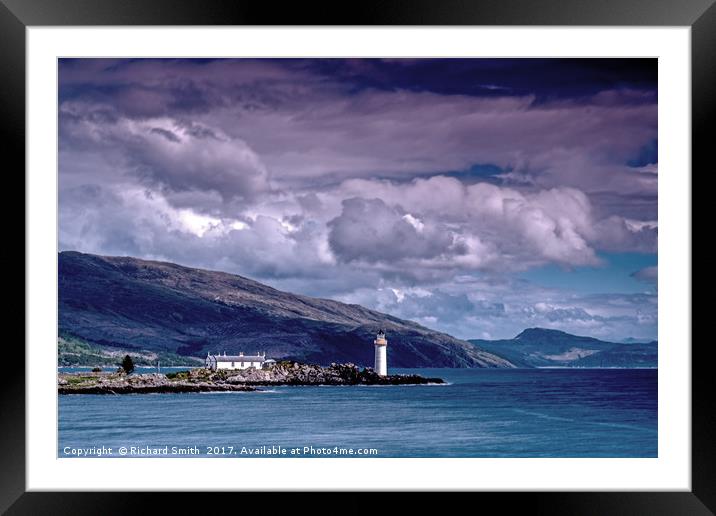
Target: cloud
<point>298,256</point>
<point>137,222</point>
<point>619,234</point>
<point>558,314</point>
<point>354,179</point>
<point>168,155</point>
<point>647,274</point>
<point>398,134</point>
<point>312,121</point>
<point>490,226</point>
<point>370,230</point>
<point>503,308</point>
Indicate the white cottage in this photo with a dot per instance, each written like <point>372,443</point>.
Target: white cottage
<point>239,361</point>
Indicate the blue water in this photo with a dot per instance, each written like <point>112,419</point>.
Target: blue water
<point>481,413</point>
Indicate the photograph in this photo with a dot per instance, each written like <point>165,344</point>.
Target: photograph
<point>317,253</point>
<point>357,257</point>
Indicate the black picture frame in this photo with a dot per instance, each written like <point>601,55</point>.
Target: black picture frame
<point>17,15</point>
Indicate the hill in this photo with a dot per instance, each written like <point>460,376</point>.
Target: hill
<point>131,304</point>
<point>541,347</point>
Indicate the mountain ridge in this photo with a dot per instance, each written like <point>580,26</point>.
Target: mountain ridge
<point>135,304</point>
<point>546,347</point>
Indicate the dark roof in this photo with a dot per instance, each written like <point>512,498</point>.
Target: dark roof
<point>239,358</point>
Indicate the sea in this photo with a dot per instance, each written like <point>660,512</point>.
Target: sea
<point>478,413</point>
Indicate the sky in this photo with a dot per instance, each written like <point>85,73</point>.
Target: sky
<point>478,197</point>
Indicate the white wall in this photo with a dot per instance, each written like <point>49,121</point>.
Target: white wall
<point>237,365</point>
<point>381,360</point>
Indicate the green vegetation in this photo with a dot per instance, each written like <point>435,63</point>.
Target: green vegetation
<point>74,380</point>
<point>72,351</point>
<point>178,375</point>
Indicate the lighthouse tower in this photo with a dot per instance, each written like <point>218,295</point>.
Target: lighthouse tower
<point>381,356</point>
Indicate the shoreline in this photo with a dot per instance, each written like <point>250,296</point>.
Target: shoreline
<point>149,389</point>
<point>247,380</point>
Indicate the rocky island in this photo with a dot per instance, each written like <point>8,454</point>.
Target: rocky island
<point>205,380</point>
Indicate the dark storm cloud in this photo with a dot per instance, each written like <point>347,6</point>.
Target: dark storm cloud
<point>318,120</point>
<point>161,152</point>
<point>544,78</point>
<point>167,134</point>
<point>347,177</point>
<point>192,82</point>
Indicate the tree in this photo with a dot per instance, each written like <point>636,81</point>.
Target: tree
<point>127,364</point>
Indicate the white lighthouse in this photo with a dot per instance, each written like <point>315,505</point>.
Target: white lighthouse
<point>381,355</point>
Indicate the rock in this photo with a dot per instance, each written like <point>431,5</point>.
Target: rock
<point>203,380</point>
